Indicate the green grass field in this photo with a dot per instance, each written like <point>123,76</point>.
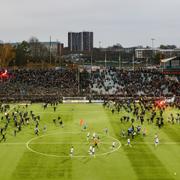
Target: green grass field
<point>27,156</point>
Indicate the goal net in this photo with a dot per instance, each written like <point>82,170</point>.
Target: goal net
<point>75,100</point>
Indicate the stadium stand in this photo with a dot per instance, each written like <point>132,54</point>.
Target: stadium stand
<point>51,84</point>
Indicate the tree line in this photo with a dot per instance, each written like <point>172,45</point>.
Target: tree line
<point>33,51</point>
<point>23,53</point>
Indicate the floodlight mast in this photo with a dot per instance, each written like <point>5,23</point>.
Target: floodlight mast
<point>50,58</point>
<point>119,60</point>
<point>133,59</point>
<point>152,39</point>
<point>91,62</point>
<point>105,60</point>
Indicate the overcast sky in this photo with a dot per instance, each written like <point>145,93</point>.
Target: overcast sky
<point>128,22</point>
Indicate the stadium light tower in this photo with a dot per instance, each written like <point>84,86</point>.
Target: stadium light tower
<point>105,59</point>
<point>152,40</point>
<point>50,46</point>
<point>91,62</point>
<point>119,60</point>
<point>133,59</point>
<point>100,44</point>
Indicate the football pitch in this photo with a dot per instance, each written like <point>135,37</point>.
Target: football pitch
<point>47,155</point>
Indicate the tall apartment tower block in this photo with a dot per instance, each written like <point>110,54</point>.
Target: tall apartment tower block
<point>80,41</point>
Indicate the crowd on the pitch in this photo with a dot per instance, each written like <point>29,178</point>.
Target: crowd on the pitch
<point>69,82</point>
<point>139,112</point>
<point>20,117</point>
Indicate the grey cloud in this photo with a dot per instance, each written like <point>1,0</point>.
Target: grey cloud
<point>129,22</point>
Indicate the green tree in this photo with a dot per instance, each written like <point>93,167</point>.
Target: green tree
<point>167,46</point>
<point>38,51</point>
<point>22,54</point>
<point>157,58</point>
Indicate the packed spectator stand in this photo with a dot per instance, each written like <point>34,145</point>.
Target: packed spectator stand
<point>52,84</point>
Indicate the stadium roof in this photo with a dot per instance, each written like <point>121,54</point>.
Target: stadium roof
<point>168,59</point>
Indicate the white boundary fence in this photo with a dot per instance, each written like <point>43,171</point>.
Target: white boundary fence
<point>75,100</point>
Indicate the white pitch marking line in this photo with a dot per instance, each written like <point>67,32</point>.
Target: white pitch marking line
<point>71,143</point>
<point>77,156</point>
<point>55,143</point>
<point>11,109</point>
<point>164,143</point>
<point>4,143</point>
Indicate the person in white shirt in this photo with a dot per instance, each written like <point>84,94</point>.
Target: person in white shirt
<point>90,149</point>
<point>113,145</point>
<point>156,140</point>
<point>88,135</point>
<point>128,142</point>
<point>71,151</point>
<point>93,151</point>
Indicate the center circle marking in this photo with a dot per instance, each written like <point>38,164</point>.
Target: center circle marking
<point>65,156</point>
